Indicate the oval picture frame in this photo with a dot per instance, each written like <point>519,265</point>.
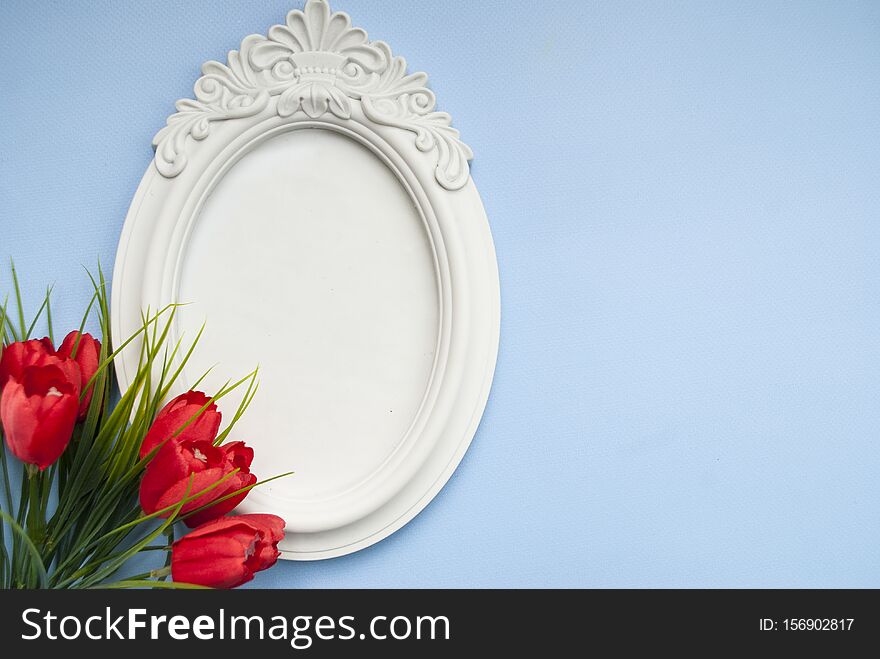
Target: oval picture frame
<point>285,162</point>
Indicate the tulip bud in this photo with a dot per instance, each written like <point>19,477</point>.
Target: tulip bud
<point>38,410</point>
<point>183,410</point>
<point>227,552</point>
<point>88,356</point>
<point>20,354</point>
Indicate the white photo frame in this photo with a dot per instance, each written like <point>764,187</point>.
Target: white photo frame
<point>320,216</point>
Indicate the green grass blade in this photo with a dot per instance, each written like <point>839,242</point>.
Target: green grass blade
<point>147,583</point>
<point>247,488</point>
<point>43,307</point>
<point>36,560</point>
<point>49,315</point>
<point>18,300</point>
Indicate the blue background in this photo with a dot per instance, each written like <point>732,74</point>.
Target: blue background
<point>685,199</point>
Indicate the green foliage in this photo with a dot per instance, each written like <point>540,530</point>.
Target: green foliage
<point>77,523</point>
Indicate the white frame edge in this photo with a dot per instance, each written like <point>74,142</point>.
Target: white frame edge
<point>316,71</point>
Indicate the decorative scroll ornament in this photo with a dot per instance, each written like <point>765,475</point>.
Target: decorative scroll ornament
<point>316,63</point>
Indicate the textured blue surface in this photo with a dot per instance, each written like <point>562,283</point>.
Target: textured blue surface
<point>685,199</point>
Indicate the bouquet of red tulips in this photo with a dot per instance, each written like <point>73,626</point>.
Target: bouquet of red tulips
<point>104,476</point>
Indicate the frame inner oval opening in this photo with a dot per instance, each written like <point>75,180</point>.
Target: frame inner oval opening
<point>310,260</point>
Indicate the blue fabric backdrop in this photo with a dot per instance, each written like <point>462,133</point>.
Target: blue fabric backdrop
<point>685,199</point>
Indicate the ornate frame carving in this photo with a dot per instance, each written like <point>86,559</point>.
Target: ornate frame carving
<point>315,63</point>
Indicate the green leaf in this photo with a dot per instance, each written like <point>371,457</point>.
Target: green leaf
<point>43,307</point>
<point>3,323</point>
<point>36,560</point>
<point>7,488</point>
<point>49,315</point>
<point>247,488</point>
<point>18,301</point>
<point>113,565</point>
<point>146,583</point>
<point>249,394</point>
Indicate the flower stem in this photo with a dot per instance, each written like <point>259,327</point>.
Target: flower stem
<point>161,572</point>
<point>35,505</point>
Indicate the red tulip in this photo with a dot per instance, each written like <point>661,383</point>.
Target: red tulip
<point>23,353</point>
<point>178,412</point>
<point>167,478</point>
<point>227,552</point>
<point>238,456</point>
<point>88,356</point>
<point>39,409</point>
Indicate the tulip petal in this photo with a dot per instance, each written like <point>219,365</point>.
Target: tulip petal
<point>88,355</point>
<point>39,426</point>
<point>181,411</point>
<point>16,356</point>
<point>176,491</point>
<point>221,508</point>
<point>226,552</point>
<point>271,523</point>
<point>216,562</point>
